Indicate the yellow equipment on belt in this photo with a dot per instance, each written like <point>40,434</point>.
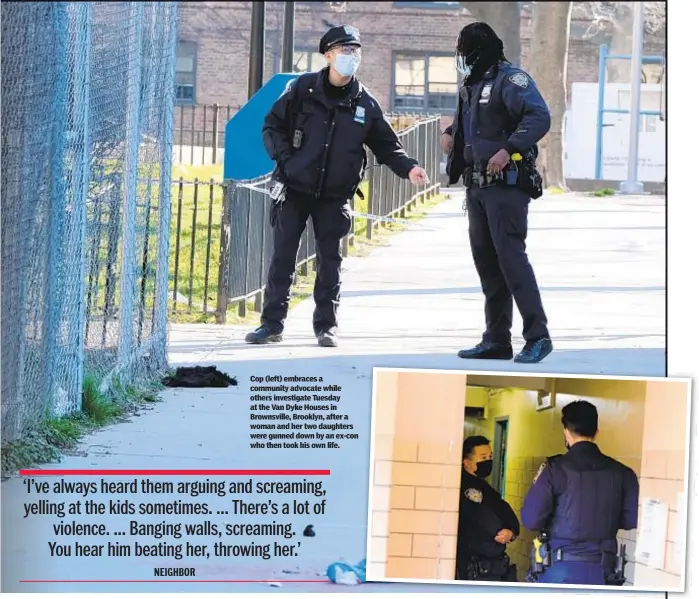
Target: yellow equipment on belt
<point>516,156</point>
<point>537,551</point>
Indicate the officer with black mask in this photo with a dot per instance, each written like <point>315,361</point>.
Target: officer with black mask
<point>316,132</point>
<point>487,523</point>
<point>581,499</point>
<point>492,144</point>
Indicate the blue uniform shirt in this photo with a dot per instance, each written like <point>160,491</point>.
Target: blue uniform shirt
<point>504,110</point>
<point>583,499</point>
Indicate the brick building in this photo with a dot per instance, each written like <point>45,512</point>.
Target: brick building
<point>407,60</point>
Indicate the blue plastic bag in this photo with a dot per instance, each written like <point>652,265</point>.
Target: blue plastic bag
<point>344,573</point>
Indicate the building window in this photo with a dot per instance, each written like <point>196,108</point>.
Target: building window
<point>185,73</point>
<point>308,61</point>
<point>424,83</point>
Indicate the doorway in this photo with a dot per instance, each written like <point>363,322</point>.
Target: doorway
<point>500,455</point>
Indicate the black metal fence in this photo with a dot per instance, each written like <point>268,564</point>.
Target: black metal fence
<point>195,245</point>
<point>200,132</point>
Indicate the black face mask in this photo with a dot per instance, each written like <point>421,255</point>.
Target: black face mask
<point>484,468</point>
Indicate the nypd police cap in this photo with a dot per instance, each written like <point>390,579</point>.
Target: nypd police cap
<point>343,35</point>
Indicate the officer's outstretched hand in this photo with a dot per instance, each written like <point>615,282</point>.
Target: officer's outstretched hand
<point>504,536</point>
<point>418,176</point>
<point>498,162</point>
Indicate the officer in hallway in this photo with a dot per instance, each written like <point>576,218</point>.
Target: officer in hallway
<point>316,132</point>
<point>582,499</point>
<point>487,523</point>
<point>492,144</point>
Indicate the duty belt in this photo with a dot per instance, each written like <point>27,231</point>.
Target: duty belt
<point>603,559</point>
<point>475,175</point>
<point>480,566</point>
<point>480,177</point>
<point>577,558</point>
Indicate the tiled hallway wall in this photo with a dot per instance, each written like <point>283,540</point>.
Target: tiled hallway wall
<point>384,425</point>
<point>663,473</point>
<point>422,461</point>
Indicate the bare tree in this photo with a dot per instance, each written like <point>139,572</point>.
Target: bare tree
<point>505,19</point>
<point>612,22</point>
<point>548,59</point>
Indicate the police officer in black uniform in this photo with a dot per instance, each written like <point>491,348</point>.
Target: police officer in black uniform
<point>316,134</point>
<point>487,523</point>
<point>492,144</point>
<point>581,499</point>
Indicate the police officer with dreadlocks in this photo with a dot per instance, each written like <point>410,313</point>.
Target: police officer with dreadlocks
<point>492,144</point>
<point>316,133</point>
<point>581,500</point>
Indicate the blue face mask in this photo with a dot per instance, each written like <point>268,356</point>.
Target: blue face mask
<point>346,64</point>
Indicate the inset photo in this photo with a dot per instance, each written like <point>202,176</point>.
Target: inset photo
<point>533,480</point>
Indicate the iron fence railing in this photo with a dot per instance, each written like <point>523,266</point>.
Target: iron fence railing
<point>200,132</point>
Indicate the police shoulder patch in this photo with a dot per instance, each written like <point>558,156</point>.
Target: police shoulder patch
<point>538,473</point>
<point>474,495</point>
<point>520,79</point>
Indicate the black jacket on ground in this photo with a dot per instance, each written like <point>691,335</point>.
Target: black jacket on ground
<point>330,160</point>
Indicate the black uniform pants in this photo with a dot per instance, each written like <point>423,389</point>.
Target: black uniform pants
<point>331,222</point>
<point>497,226</point>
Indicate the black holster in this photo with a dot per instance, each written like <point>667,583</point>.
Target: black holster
<point>529,179</point>
<point>477,567</point>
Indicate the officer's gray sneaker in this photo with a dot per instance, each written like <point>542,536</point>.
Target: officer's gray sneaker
<point>327,339</point>
<point>263,335</point>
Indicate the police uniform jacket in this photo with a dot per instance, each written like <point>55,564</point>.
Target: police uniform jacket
<point>583,499</point>
<point>482,515</point>
<point>504,110</point>
<point>329,159</point>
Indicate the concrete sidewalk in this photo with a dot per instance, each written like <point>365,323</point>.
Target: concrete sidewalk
<point>600,263</point>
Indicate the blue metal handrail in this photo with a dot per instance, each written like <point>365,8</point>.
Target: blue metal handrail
<point>604,56</point>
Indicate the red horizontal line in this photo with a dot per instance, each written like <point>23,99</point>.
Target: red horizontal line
<point>176,580</point>
<point>138,472</point>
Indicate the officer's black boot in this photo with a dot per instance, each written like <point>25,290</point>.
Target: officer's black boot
<point>487,351</point>
<point>327,338</point>
<point>263,335</point>
<point>535,351</point>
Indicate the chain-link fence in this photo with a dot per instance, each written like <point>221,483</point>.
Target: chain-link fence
<point>86,163</point>
<point>246,235</point>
